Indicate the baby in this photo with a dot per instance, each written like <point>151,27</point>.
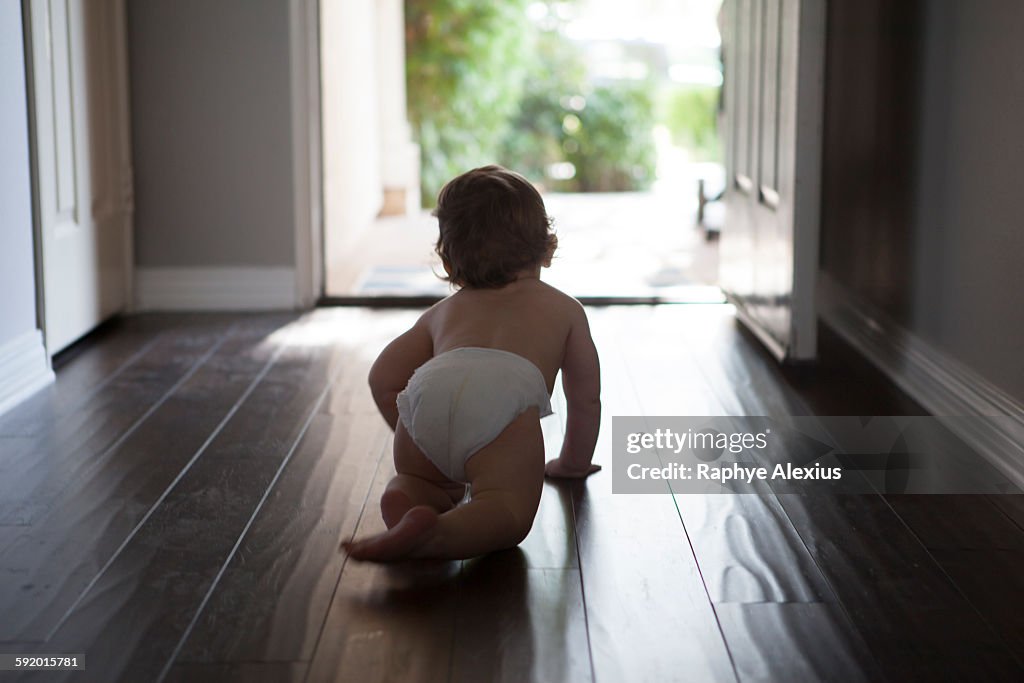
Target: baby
<point>465,388</point>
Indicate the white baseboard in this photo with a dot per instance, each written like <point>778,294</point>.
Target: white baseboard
<point>215,289</point>
<point>942,385</point>
<point>24,369</point>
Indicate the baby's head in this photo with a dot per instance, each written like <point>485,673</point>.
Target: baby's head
<point>493,227</point>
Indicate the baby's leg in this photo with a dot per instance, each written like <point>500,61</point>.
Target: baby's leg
<point>418,482</point>
<point>507,477</point>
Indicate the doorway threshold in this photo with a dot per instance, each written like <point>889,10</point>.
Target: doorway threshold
<point>427,300</point>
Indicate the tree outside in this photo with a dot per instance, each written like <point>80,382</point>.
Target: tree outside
<point>570,94</point>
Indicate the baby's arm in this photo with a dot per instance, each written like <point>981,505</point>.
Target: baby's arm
<point>395,365</point>
<point>581,380</point>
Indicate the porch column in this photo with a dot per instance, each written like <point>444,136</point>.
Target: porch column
<point>399,155</point>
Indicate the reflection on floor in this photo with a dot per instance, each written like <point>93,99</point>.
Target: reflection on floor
<point>172,506</point>
<point>628,244</point>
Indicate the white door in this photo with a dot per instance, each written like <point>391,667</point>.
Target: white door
<point>82,162</point>
<point>774,66</point>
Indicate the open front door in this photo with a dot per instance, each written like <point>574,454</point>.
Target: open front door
<point>81,161</point>
<point>774,70</point>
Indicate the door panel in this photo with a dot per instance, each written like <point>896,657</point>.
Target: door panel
<point>769,249</point>
<point>82,162</point>
<point>737,253</point>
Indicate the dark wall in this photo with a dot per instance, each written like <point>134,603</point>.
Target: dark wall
<point>924,172</point>
<point>969,227</point>
<point>872,49</point>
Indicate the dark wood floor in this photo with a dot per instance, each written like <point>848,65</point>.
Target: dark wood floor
<point>172,507</point>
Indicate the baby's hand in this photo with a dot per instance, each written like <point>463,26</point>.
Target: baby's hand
<point>556,469</point>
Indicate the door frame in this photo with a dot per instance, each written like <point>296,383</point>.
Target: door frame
<point>33,156</point>
<point>307,150</point>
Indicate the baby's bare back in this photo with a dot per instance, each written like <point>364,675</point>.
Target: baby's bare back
<point>526,317</point>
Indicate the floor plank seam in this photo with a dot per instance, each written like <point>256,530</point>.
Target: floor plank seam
<point>131,534</point>
<point>131,360</point>
<point>927,551</point>
<point>1013,520</point>
<point>259,505</point>
<point>942,570</point>
<point>689,541</point>
<point>132,428</point>
<point>344,564</point>
<point>981,615</point>
<point>583,590</point>
<point>821,572</point>
<point>796,531</point>
<point>704,583</point>
<point>637,398</point>
<point>835,594</point>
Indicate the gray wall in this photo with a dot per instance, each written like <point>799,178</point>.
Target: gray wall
<point>211,116</point>
<point>969,234</point>
<point>924,172</point>
<point>872,49</point>
<point>17,278</point>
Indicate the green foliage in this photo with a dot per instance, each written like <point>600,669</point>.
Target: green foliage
<point>535,136</point>
<point>464,77</point>
<point>605,132</point>
<point>610,140</point>
<point>485,84</point>
<point>691,114</point>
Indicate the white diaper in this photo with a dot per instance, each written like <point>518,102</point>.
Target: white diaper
<point>460,401</point>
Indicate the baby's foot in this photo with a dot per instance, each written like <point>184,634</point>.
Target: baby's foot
<point>393,506</point>
<point>400,541</point>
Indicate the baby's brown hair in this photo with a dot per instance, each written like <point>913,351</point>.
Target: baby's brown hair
<point>493,225</point>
